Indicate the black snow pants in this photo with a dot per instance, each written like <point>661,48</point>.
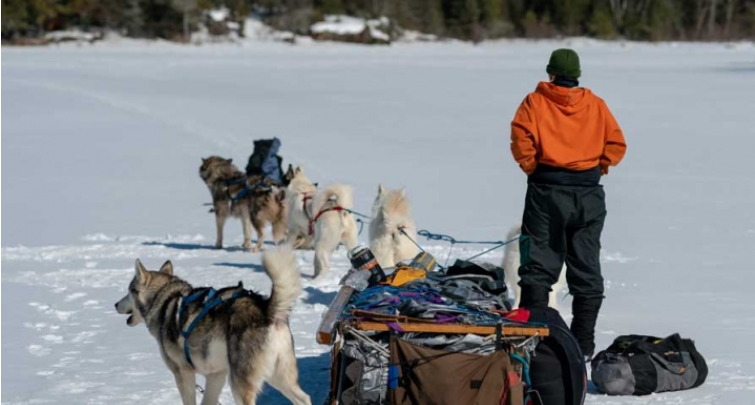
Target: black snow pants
<point>562,224</point>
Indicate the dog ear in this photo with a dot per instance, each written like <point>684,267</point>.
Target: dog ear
<point>204,160</point>
<point>167,268</point>
<point>298,170</point>
<point>241,285</point>
<point>381,189</point>
<point>140,272</point>
<point>402,192</point>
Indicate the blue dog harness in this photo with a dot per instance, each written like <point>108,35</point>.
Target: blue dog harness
<point>211,300</point>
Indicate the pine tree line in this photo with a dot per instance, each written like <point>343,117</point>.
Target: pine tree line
<point>475,20</point>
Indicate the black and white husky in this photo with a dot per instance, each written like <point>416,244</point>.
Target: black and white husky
<point>246,338</point>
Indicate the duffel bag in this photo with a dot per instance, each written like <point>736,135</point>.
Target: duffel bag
<point>642,365</point>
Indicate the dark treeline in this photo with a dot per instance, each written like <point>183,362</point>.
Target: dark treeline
<point>653,20</point>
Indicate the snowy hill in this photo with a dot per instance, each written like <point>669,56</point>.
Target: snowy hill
<point>101,147</point>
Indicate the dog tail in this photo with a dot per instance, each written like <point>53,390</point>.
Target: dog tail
<point>338,195</point>
<point>514,231</point>
<point>280,266</point>
<point>511,252</point>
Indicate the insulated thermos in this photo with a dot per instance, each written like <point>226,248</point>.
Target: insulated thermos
<point>362,259</point>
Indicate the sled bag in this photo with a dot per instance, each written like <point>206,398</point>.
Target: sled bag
<point>265,161</point>
<point>557,369</point>
<point>422,376</point>
<point>642,365</point>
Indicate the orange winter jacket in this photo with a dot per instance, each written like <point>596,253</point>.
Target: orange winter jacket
<point>564,127</point>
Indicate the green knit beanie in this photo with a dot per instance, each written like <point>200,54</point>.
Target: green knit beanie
<point>564,63</point>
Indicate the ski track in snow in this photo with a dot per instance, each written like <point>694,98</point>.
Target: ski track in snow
<point>115,133</point>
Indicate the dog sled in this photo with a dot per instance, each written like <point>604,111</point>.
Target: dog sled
<point>421,336</point>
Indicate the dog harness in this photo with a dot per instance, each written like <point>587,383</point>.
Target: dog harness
<point>247,189</point>
<point>211,300</point>
<point>312,220</point>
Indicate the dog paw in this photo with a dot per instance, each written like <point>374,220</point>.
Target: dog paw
<point>255,249</point>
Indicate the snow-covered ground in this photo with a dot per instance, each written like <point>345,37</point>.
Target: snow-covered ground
<point>101,146</point>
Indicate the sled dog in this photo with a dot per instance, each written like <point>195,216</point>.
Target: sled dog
<point>244,339</point>
<point>256,201</point>
<point>320,217</point>
<point>391,213</point>
<point>511,263</point>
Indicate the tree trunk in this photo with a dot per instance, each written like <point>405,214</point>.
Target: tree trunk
<point>712,19</point>
<point>700,18</point>
<point>729,16</point>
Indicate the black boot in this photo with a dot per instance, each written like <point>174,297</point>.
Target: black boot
<point>534,297</point>
<point>585,312</point>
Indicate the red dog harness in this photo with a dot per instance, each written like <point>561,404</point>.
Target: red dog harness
<point>319,214</point>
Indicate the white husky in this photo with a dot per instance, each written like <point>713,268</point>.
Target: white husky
<point>391,213</point>
<point>299,192</point>
<point>324,216</point>
<point>511,263</point>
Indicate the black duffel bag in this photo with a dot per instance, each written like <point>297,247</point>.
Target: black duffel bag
<point>642,365</point>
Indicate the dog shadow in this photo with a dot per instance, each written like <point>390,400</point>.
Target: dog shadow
<point>191,246</point>
<point>314,379</point>
<point>317,296</point>
<point>250,266</point>
<point>196,246</point>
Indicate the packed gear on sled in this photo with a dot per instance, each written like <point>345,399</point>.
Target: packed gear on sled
<point>485,276</point>
<point>391,343</point>
<point>263,171</point>
<point>642,365</point>
<point>265,162</point>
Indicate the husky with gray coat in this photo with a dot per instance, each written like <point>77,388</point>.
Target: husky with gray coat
<point>391,213</point>
<point>259,206</point>
<point>511,264</point>
<point>246,339</point>
<point>322,217</point>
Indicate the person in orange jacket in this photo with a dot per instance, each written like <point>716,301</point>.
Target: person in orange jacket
<point>565,138</point>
